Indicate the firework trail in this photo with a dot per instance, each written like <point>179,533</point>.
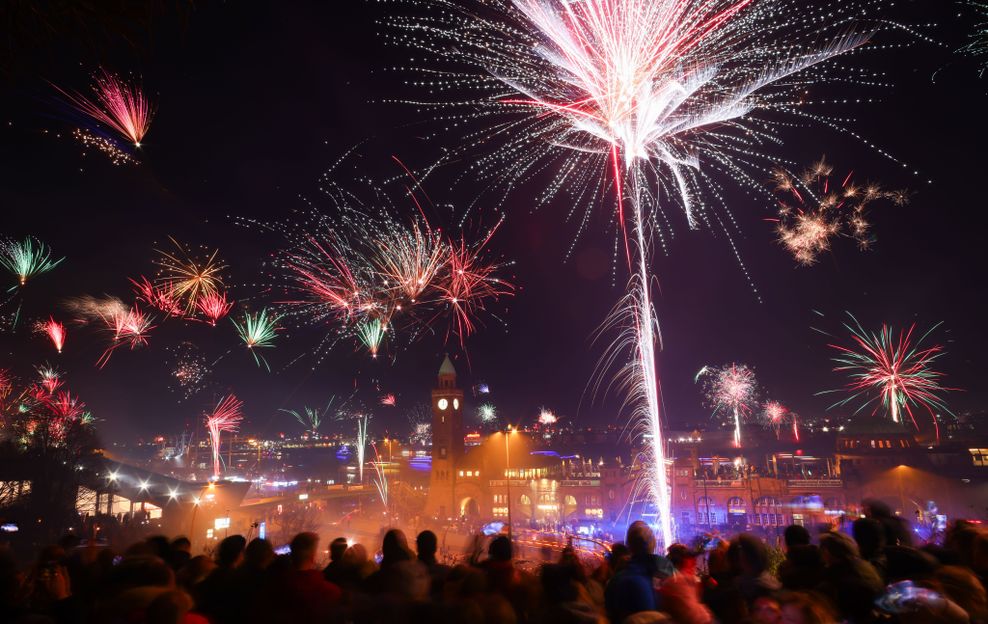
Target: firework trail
<point>813,209</point>
<point>733,388</point>
<point>389,400</point>
<point>891,370</point>
<point>225,417</point>
<point>88,309</point>
<point>89,140</point>
<point>120,106</point>
<point>258,331</point>
<point>214,306</point>
<point>977,47</point>
<point>381,480</point>
<point>189,279</point>
<point>361,445</point>
<point>795,426</point>
<point>54,330</point>
<point>6,383</point>
<point>657,97</point>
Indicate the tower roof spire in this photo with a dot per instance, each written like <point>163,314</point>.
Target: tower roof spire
<point>447,367</point>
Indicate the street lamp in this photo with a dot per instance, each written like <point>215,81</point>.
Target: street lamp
<point>507,474</point>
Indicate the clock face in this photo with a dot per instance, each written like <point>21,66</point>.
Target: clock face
<point>442,404</point>
<point>456,404</point>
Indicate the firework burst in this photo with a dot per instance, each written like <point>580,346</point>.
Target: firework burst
<point>188,370</point>
<point>891,371</point>
<point>369,275</point>
<point>214,306</point>
<point>160,296</point>
<point>487,413</point>
<point>814,208</point>
<point>309,417</point>
<point>659,97</point>
<point>371,334</point>
<point>54,330</point>
<point>225,418</point>
<point>130,327</point>
<point>773,415</point>
<point>547,418</point>
<point>27,259</point>
<point>120,106</point>
<point>189,279</point>
<point>49,378</point>
<point>258,331</point>
<point>732,388</point>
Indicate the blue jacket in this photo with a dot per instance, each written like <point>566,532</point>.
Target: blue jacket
<point>632,589</point>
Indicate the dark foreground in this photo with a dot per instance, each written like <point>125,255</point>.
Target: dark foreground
<point>875,576</point>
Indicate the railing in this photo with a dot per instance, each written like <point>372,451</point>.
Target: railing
<point>815,483</point>
<point>723,483</point>
<point>514,483</point>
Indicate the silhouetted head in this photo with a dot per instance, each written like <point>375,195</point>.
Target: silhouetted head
<point>394,548</point>
<point>837,548</point>
<point>749,553</point>
<point>336,549</point>
<point>796,535</point>
<point>259,553</point>
<point>870,536</point>
<point>500,548</point>
<point>682,558</point>
<point>304,547</point>
<point>181,543</point>
<point>640,539</point>
<point>874,508</point>
<point>426,544</point>
<point>230,551</point>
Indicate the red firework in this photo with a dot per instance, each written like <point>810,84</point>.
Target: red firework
<point>468,284</point>
<point>225,417</point>
<point>120,106</point>
<point>214,306</point>
<point>129,327</point>
<point>65,406</point>
<point>157,296</point>
<point>55,332</point>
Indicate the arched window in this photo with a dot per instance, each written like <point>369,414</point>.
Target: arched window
<point>735,505</point>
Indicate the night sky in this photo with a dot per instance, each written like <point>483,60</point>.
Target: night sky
<point>256,100</point>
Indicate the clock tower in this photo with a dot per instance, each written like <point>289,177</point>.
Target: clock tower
<point>447,442</point>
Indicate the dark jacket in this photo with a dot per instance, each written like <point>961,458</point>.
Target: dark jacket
<point>802,569</point>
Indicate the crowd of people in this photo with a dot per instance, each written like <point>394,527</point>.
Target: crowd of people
<point>875,574</point>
